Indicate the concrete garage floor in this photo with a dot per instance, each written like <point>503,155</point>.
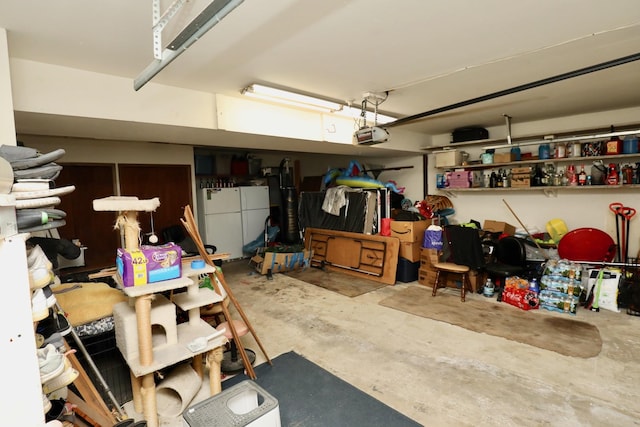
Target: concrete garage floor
<point>439,374</point>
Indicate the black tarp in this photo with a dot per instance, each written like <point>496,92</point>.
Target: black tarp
<point>351,218</point>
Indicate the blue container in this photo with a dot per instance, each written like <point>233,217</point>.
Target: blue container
<point>515,154</point>
<point>630,144</point>
<point>544,151</point>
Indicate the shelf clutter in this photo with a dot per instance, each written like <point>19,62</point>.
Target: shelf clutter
<point>563,162</point>
<point>28,214</point>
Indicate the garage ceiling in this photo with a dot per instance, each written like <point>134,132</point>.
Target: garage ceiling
<point>427,54</point>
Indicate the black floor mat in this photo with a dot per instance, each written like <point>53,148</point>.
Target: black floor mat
<point>310,396</point>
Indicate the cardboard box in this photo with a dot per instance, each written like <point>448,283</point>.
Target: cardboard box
<point>520,180</point>
<point>521,177</point>
<point>524,170</point>
<point>427,277</point>
<point>476,280</point>
<point>428,257</point>
<point>498,227</point>
<point>503,158</point>
<point>409,231</point>
<point>447,158</point>
<point>410,250</point>
<point>459,179</point>
<point>278,262</point>
<point>521,298</point>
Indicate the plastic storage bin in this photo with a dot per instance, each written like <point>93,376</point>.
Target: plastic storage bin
<point>407,271</point>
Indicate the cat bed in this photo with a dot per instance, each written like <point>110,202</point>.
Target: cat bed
<point>84,303</point>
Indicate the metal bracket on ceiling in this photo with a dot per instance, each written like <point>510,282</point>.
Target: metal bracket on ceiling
<point>207,19</point>
<point>161,21</point>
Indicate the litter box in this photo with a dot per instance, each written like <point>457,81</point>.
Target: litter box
<point>244,405</point>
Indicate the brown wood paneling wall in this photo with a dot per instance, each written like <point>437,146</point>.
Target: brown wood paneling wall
<point>170,183</point>
<point>93,229</point>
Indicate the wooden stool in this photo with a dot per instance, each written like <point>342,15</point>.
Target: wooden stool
<point>231,364</point>
<point>449,267</point>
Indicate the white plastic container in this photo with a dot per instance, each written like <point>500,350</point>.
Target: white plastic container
<point>244,405</point>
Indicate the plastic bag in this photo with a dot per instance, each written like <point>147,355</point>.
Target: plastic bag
<point>433,237</point>
<point>385,227</point>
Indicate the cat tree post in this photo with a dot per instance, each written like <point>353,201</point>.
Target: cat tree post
<point>134,321</point>
<point>128,222</point>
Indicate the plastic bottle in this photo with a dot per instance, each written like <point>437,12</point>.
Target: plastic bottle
<point>493,180</point>
<point>533,285</point>
<point>612,178</point>
<point>489,288</point>
<point>582,176</point>
<point>544,151</point>
<point>571,175</point>
<point>516,155</point>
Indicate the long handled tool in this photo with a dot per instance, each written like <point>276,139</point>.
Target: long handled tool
<point>523,226</point>
<point>190,226</point>
<point>627,214</point>
<point>220,276</point>
<point>623,213</point>
<point>615,207</point>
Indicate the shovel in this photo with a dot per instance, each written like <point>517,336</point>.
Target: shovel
<point>201,342</point>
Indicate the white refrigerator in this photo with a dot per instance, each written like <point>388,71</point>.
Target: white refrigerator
<point>220,219</point>
<point>254,202</point>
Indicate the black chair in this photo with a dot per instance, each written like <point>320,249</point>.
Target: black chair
<point>177,235</point>
<point>462,253</point>
<point>509,258</point>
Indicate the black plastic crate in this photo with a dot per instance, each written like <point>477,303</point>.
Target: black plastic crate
<point>109,362</point>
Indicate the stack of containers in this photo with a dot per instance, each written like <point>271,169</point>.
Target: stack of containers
<point>410,234</point>
<point>561,286</point>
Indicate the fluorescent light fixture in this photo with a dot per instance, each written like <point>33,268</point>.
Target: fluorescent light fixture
<point>206,20</point>
<point>290,98</point>
<point>294,99</point>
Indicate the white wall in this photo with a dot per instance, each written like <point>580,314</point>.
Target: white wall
<point>51,89</point>
<point>7,124</point>
<point>93,151</point>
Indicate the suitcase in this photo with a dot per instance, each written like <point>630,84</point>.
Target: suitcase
<point>469,134</point>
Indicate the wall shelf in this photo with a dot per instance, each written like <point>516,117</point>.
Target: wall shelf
<point>534,161</point>
<point>549,190</point>
<point>499,143</point>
